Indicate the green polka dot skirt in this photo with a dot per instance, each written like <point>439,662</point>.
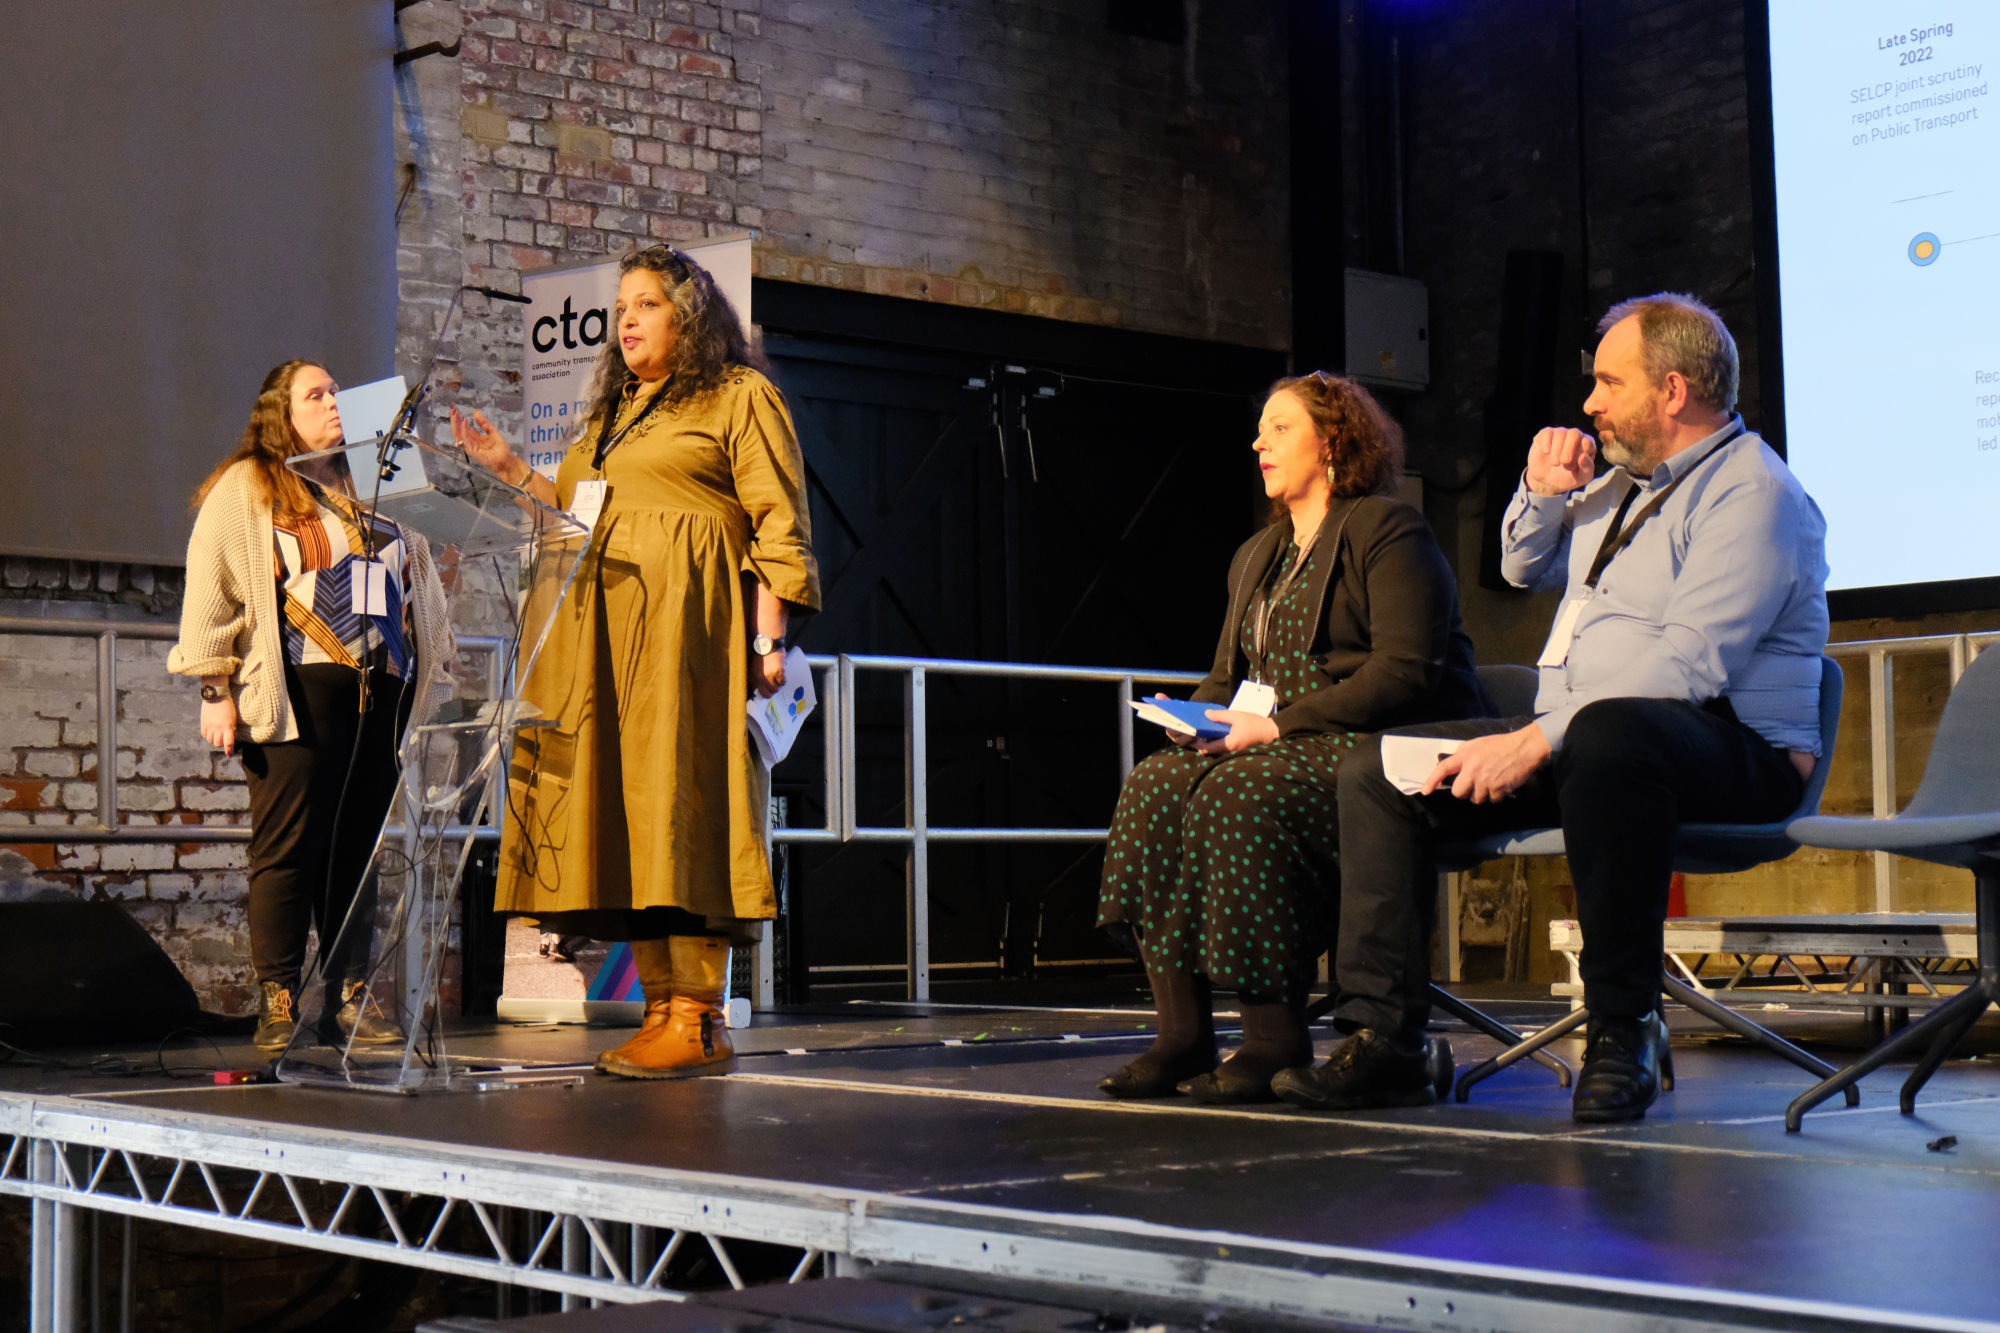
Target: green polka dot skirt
<point>1228,865</point>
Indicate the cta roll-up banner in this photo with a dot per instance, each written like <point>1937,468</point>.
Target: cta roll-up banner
<point>568,325</point>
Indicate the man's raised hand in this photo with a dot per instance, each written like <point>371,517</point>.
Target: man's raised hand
<point>1561,460</point>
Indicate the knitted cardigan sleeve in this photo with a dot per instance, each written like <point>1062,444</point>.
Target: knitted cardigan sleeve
<point>214,609</point>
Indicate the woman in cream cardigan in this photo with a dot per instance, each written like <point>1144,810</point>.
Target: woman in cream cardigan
<point>314,694</point>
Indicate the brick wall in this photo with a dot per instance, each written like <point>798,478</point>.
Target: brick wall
<point>189,895</point>
<point>587,129</point>
<point>1018,155</point>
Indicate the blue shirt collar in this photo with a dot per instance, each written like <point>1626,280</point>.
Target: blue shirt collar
<point>1687,458</point>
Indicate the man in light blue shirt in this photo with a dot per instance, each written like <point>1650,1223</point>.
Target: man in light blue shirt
<point>1680,682</point>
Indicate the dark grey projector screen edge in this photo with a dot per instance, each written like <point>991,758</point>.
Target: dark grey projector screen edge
<point>189,194</point>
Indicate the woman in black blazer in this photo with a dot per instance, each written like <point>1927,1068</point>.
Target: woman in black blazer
<point>1222,860</point>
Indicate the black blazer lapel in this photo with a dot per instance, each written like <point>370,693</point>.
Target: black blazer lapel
<point>1254,569</point>
<point>1327,560</point>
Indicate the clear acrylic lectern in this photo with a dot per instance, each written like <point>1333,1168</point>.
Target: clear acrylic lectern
<point>516,559</point>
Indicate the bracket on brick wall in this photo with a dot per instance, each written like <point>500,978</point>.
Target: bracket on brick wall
<point>429,49</point>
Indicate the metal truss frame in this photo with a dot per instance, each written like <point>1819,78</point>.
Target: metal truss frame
<point>1815,968</point>
<point>607,1231</point>
<point>588,1231</point>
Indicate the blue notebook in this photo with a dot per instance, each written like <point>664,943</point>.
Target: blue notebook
<point>1182,715</point>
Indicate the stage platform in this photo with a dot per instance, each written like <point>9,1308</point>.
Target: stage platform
<point>965,1147</point>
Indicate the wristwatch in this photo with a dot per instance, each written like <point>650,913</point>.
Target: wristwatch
<point>763,645</point>
<point>213,694</point>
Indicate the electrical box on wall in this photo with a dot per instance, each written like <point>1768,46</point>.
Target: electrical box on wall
<point>1388,330</point>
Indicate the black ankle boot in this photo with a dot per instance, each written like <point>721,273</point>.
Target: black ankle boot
<point>275,1021</point>
<point>1184,1048</point>
<point>1274,1039</point>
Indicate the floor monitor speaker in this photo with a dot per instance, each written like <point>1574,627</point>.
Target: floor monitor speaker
<point>74,972</point>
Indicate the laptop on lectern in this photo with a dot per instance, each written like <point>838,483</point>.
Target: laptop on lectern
<point>366,413</point>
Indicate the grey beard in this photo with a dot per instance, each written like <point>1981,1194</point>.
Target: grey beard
<point>1638,462</point>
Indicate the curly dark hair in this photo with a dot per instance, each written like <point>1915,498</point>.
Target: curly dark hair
<point>709,337</point>
<point>1364,447</point>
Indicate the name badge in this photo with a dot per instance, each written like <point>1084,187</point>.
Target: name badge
<point>369,582</point>
<point>1252,697</point>
<point>1556,652</point>
<point>588,502</point>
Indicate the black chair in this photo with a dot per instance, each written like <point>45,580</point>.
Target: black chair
<point>1953,820</point>
<point>1702,849</point>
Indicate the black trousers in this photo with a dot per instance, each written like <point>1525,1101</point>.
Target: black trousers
<point>295,790</point>
<point>1628,772</point>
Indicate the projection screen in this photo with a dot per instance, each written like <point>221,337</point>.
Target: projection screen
<point>1884,138</point>
<point>193,193</point>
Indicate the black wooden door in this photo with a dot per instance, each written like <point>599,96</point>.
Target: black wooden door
<point>1090,524</point>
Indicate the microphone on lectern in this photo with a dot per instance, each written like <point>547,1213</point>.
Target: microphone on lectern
<point>406,415</point>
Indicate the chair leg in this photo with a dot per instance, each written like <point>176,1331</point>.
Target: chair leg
<point>1937,1024</point>
<point>1518,1052</point>
<point>1500,1032</point>
<point>1948,1039</point>
<point>1942,1026</point>
<point>1724,1017</point>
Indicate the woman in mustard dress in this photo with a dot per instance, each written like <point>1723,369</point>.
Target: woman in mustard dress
<point>640,815</point>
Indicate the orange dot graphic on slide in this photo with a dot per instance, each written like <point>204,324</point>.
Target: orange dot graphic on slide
<point>1924,248</point>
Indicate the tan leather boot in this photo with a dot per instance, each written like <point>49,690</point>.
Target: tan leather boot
<point>695,1038</point>
<point>654,960</point>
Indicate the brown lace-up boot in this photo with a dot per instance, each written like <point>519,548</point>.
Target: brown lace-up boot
<point>695,1038</point>
<point>358,1016</point>
<point>654,960</point>
<point>274,1017</point>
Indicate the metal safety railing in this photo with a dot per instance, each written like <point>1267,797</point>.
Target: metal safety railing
<point>838,718</point>
<point>108,829</point>
<point>843,826</point>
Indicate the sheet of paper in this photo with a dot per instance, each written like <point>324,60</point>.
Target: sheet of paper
<point>775,722</point>
<point>1556,651</point>
<point>588,503</point>
<point>368,581</point>
<point>1252,697</point>
<point>1408,760</point>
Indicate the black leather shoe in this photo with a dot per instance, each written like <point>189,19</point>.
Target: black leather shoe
<point>1144,1078</point>
<point>1621,1069</point>
<point>1364,1071</point>
<point>275,1023</point>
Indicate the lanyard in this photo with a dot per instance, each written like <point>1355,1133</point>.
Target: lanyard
<point>606,445</point>
<point>1617,538</point>
<point>1267,604</point>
